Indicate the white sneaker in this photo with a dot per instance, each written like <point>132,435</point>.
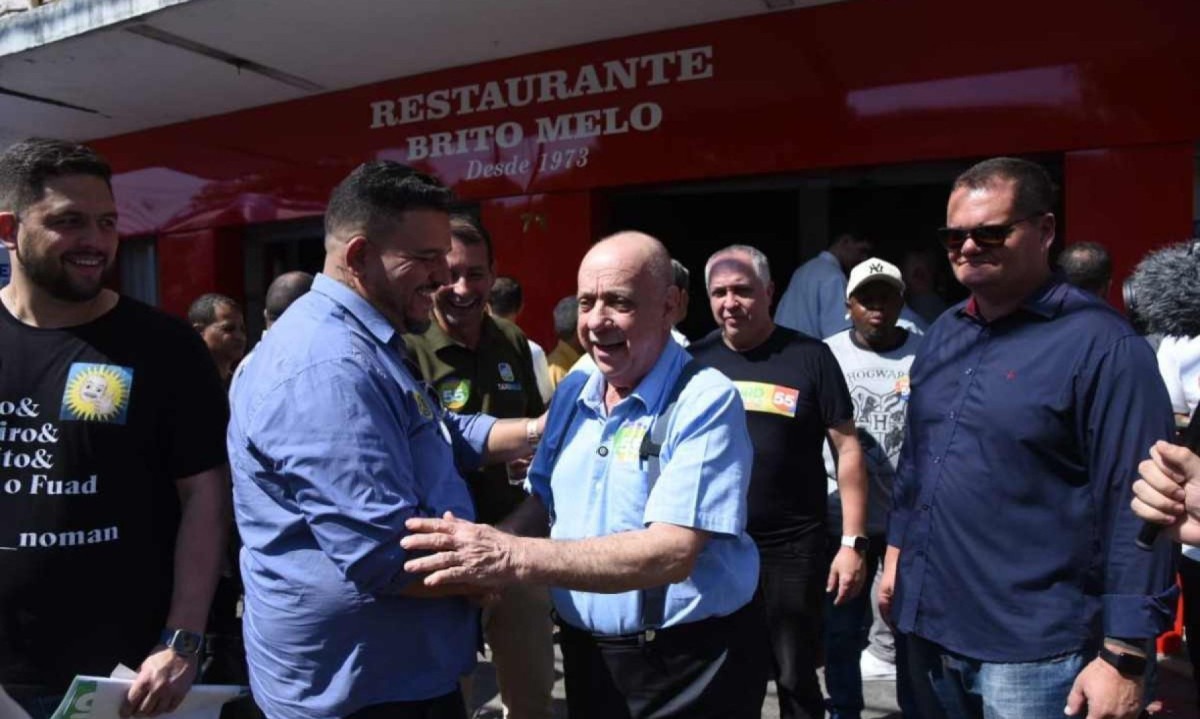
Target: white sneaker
<point>875,669</point>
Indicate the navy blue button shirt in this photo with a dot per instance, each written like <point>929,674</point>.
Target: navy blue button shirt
<point>1011,503</point>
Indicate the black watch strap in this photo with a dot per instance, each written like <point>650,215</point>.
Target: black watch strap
<point>1130,666</point>
<point>182,642</point>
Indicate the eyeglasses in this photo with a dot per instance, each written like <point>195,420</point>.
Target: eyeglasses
<point>953,238</point>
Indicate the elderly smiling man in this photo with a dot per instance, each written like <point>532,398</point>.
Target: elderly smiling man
<point>643,477</point>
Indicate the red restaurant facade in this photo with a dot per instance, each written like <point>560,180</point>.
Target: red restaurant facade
<point>771,129</point>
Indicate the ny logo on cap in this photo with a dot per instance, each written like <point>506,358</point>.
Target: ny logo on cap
<point>875,267</point>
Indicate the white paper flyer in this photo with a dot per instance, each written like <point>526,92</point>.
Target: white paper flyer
<point>100,698</point>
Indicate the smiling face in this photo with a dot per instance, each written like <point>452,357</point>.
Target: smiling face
<point>94,387</point>
<point>459,305</point>
<point>625,311</point>
<point>1015,267</point>
<point>66,242</point>
<point>399,273</point>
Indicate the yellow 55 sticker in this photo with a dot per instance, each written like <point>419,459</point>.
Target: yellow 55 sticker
<point>768,398</point>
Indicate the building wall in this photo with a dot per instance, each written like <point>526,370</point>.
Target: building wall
<point>867,82</point>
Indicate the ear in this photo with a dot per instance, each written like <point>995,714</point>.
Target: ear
<point>198,327</point>
<point>673,300</point>
<point>356,255</point>
<point>8,230</point>
<point>1049,225</point>
<point>770,292</point>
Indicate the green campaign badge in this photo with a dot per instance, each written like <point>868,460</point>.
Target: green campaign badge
<point>454,393</point>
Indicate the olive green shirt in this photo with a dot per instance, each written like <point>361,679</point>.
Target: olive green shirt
<point>495,378</point>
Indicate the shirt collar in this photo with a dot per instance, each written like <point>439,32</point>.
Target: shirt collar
<point>649,392</point>
<point>1046,301</point>
<point>362,310</point>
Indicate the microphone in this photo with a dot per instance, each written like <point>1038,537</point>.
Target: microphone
<point>1162,297</point>
<point>1163,293</point>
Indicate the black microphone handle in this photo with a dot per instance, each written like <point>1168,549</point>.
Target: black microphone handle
<point>1147,535</point>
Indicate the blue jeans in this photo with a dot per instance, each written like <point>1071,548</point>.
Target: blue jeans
<point>950,686</point>
<point>846,629</point>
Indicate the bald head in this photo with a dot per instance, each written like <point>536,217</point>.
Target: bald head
<point>627,305</point>
<point>635,250</point>
<point>284,290</point>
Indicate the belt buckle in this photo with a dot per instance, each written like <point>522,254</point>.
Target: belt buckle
<point>646,637</point>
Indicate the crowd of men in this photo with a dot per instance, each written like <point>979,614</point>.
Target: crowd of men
<point>693,520</point>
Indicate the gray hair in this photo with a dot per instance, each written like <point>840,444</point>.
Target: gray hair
<point>566,316</point>
<point>758,261</point>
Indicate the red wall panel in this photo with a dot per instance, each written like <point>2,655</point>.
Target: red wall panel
<point>1130,200</point>
<point>193,263</point>
<point>863,82</point>
<point>540,240</point>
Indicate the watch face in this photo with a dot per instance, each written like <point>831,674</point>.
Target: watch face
<point>188,643</point>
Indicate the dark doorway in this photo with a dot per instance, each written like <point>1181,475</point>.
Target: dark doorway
<point>792,218</point>
<point>693,226</point>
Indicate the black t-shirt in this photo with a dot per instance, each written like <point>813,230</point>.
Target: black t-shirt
<point>96,423</point>
<point>794,391</point>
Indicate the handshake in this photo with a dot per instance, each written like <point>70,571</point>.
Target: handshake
<point>1168,491</point>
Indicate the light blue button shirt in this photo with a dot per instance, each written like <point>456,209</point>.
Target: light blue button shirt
<point>599,486</point>
<point>333,445</point>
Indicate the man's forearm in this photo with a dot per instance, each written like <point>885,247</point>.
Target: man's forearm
<point>199,546</point>
<point>852,487</point>
<point>510,439</point>
<point>660,554</point>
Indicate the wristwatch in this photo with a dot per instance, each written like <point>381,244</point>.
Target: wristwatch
<point>858,544</point>
<point>532,435</point>
<point>1130,666</point>
<point>182,642</point>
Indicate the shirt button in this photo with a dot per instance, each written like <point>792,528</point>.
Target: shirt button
<point>603,451</point>
<point>970,371</point>
<point>937,460</point>
<point>952,415</point>
<point>920,552</point>
<point>924,507</point>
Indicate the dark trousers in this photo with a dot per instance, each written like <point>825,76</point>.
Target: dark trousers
<point>846,628</point>
<point>449,706</point>
<point>791,586</point>
<point>1189,575</point>
<point>711,669</point>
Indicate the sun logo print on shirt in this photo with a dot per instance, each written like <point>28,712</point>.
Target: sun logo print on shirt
<point>97,393</point>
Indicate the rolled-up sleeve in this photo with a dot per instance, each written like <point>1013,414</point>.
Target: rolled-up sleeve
<point>1128,410</point>
<point>345,465</point>
<point>469,434</point>
<point>706,464</point>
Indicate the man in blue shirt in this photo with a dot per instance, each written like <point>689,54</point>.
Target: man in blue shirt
<point>334,443</point>
<point>1018,578</point>
<point>651,566</point>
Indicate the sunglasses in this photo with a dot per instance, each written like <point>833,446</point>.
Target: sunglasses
<point>953,238</point>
